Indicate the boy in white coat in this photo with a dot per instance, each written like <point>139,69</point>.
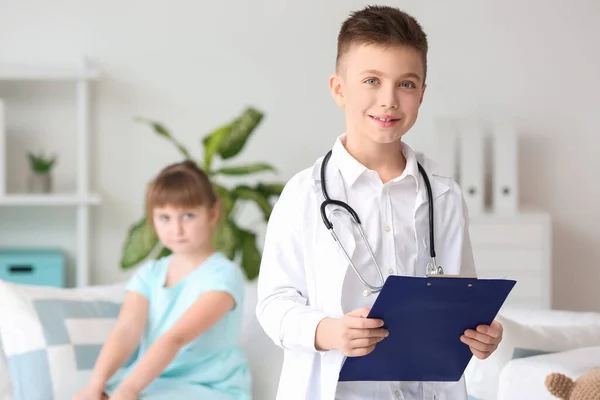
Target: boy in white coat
<point>310,302</point>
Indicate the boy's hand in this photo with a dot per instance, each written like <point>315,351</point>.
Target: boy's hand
<point>354,334</point>
<point>483,341</point>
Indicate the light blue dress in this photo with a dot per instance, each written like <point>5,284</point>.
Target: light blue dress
<point>212,366</point>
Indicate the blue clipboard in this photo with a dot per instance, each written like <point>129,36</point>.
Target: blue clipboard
<point>425,317</point>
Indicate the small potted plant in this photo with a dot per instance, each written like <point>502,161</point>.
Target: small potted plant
<point>40,179</point>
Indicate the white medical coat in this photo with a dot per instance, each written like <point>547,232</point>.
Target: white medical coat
<point>303,269</point>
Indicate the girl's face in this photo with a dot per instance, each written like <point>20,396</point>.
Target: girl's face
<point>185,230</point>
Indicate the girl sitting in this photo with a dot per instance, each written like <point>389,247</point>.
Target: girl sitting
<point>183,312</point>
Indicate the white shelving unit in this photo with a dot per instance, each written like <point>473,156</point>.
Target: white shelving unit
<point>80,76</point>
<point>516,246</point>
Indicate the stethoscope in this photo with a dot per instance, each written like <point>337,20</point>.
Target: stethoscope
<point>432,267</point>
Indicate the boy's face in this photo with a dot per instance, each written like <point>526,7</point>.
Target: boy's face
<point>381,89</point>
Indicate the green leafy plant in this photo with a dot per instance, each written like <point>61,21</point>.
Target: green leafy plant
<point>40,163</point>
<point>237,243</point>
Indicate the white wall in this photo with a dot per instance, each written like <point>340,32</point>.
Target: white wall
<point>194,65</point>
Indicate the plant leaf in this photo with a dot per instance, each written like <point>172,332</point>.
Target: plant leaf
<point>226,198</point>
<point>164,252</point>
<point>212,143</point>
<point>164,132</point>
<point>252,194</point>
<point>270,189</point>
<point>239,132</point>
<point>251,256</point>
<point>141,240</point>
<point>225,239</point>
<point>245,169</point>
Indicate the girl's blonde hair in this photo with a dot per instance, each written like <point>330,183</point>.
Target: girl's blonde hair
<point>180,185</point>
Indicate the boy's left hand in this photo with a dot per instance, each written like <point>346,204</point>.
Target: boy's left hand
<point>483,341</point>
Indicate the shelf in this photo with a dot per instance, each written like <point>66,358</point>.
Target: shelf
<point>14,72</point>
<point>48,200</point>
<point>81,75</point>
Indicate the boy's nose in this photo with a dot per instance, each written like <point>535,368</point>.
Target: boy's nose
<point>389,99</point>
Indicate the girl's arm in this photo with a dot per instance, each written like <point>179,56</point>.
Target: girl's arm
<point>206,311</point>
<point>123,339</point>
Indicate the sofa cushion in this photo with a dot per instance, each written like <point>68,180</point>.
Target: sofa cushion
<point>51,336</point>
<point>17,305</point>
<point>6,388</point>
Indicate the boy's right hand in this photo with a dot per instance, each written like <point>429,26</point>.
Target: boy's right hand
<point>354,334</point>
<point>90,392</point>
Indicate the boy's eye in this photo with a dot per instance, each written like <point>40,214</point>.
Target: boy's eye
<point>188,216</point>
<point>408,85</point>
<point>371,81</point>
<point>163,218</point>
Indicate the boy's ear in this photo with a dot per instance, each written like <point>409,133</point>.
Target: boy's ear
<point>336,88</point>
<point>422,94</point>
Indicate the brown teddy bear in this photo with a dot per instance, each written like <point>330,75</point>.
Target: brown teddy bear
<point>586,387</point>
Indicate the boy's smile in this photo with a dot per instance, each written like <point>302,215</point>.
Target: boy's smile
<point>381,89</point>
<point>385,121</point>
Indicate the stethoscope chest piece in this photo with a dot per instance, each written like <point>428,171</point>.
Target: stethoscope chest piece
<point>434,269</point>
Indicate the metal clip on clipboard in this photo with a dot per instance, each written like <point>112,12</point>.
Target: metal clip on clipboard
<point>436,271</point>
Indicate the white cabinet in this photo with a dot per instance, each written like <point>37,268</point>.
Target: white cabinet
<point>516,247</point>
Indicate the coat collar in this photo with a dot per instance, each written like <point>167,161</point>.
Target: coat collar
<point>351,169</point>
<point>438,179</point>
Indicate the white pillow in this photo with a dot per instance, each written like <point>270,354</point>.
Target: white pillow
<point>51,336</point>
<point>525,378</point>
<point>482,376</point>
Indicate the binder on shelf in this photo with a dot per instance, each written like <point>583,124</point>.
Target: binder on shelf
<point>446,152</point>
<point>505,174</point>
<point>472,166</point>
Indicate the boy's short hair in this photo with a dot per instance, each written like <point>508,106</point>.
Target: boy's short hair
<point>182,184</point>
<point>384,26</point>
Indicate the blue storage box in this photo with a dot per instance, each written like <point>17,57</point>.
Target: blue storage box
<point>33,267</point>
